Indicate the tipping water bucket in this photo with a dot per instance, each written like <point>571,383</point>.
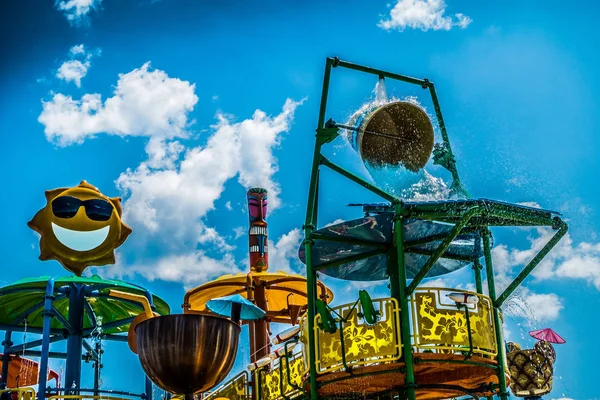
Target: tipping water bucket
<point>394,133</point>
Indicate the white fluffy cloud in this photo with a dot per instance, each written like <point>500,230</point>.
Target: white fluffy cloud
<point>145,103</point>
<point>195,267</point>
<point>168,196</point>
<point>77,10</point>
<point>566,260</point>
<point>171,192</point>
<point>424,15</point>
<point>74,70</point>
<point>191,269</point>
<point>284,253</point>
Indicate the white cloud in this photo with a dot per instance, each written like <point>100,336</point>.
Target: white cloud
<point>424,15</point>
<point>77,10</point>
<point>532,204</point>
<point>145,103</point>
<point>192,268</point>
<point>284,252</point>
<point>435,283</point>
<point>77,49</point>
<point>228,206</point>
<point>171,194</point>
<point>239,232</point>
<point>74,70</point>
<point>335,222</point>
<point>566,260</point>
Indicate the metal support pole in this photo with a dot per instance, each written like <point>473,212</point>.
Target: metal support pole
<point>97,368</point>
<point>148,386</point>
<point>409,382</point>
<point>48,314</point>
<point>562,230</point>
<point>7,343</point>
<point>477,267</point>
<point>309,227</point>
<point>75,339</point>
<point>147,382</point>
<point>487,249</point>
<point>442,247</point>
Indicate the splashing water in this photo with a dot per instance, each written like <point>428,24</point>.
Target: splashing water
<point>395,179</point>
<point>380,93</point>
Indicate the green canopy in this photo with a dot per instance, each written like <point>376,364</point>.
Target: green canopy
<point>23,303</point>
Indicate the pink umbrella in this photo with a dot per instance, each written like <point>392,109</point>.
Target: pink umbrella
<point>548,335</point>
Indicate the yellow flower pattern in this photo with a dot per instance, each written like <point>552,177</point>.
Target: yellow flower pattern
<point>443,325</point>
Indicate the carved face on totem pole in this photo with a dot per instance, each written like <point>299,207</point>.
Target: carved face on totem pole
<point>257,207</point>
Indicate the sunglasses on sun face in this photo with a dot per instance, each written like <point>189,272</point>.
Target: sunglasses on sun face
<point>95,209</point>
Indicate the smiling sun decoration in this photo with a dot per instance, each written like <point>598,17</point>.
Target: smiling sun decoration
<point>79,227</point>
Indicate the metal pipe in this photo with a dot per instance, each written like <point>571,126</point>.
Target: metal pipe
<point>47,313</point>
<point>380,73</point>
<point>442,247</point>
<point>115,338</point>
<point>62,320</point>
<point>477,267</point>
<point>324,93</point>
<point>403,294</point>
<point>562,230</point>
<point>29,345</point>
<point>75,339</point>
<point>5,358</point>
<point>90,349</point>
<point>487,249</point>
<point>30,329</point>
<point>97,368</point>
<point>110,325</point>
<point>360,181</point>
<point>148,386</point>
<point>309,226</point>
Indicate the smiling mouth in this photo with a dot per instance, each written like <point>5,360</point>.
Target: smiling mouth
<point>80,240</point>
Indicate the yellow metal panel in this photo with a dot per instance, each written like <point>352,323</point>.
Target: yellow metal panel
<point>438,325</point>
<point>270,381</point>
<point>236,388</point>
<point>363,343</point>
<point>24,393</point>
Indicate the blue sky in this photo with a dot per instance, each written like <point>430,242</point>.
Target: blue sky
<point>192,102</point>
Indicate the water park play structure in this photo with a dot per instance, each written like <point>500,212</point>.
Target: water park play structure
<point>416,342</point>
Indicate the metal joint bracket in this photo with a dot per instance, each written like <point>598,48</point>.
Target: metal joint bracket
<point>335,62</point>
<point>309,226</point>
<point>49,313</point>
<point>327,134</point>
<point>426,83</point>
<point>558,223</point>
<point>49,297</point>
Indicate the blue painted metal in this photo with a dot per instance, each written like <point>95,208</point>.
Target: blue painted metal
<point>148,381</point>
<point>29,345</point>
<point>48,314</point>
<point>75,339</point>
<point>148,389</point>
<point>5,358</point>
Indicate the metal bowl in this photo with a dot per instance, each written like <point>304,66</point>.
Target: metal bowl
<point>187,353</point>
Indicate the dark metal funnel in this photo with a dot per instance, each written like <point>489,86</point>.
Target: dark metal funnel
<point>187,353</point>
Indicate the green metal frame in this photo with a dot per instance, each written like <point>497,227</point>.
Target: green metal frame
<point>470,216</point>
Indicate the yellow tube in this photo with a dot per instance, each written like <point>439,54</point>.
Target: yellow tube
<point>134,297</point>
